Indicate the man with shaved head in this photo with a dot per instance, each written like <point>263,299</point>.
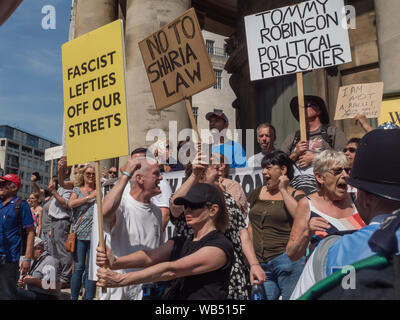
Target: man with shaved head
<point>132,222</point>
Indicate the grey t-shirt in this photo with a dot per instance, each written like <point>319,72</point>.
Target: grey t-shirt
<point>46,268</point>
<point>55,209</point>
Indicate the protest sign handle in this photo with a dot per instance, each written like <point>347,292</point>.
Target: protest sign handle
<point>191,117</point>
<point>302,110</point>
<point>51,169</point>
<point>100,210</point>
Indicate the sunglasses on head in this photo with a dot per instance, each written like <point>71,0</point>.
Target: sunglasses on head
<point>337,171</point>
<point>350,149</point>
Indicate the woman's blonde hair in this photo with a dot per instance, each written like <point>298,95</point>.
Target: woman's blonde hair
<point>37,197</point>
<point>78,181</point>
<point>327,158</point>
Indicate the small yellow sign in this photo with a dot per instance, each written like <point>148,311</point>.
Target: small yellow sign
<point>94,95</point>
<point>390,111</point>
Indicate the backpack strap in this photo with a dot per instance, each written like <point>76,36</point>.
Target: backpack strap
<point>22,233</point>
<point>295,141</point>
<point>324,133</point>
<point>321,255</point>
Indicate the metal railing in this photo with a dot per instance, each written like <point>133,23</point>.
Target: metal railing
<point>217,51</point>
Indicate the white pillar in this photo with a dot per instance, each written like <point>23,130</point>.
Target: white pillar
<point>144,17</point>
<point>388,28</point>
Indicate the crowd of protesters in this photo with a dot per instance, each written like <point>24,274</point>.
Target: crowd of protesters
<point>319,210</point>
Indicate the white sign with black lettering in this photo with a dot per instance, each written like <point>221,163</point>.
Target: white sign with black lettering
<point>306,36</point>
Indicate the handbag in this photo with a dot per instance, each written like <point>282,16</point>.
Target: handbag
<point>71,239</point>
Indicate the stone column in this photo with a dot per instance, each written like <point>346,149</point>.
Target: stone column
<point>388,28</point>
<point>143,17</point>
<point>92,14</point>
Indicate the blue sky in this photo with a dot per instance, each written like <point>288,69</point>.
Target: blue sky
<point>31,92</point>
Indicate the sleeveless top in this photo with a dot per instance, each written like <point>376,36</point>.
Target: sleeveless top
<point>353,222</point>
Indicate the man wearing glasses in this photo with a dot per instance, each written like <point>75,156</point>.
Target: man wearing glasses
<point>320,136</point>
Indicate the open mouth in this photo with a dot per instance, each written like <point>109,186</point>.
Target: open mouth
<point>342,186</point>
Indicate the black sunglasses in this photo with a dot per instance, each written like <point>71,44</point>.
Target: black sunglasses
<point>351,149</point>
<point>194,206</point>
<point>114,172</point>
<point>337,171</point>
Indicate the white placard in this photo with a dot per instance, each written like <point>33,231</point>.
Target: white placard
<point>309,35</point>
<point>54,153</point>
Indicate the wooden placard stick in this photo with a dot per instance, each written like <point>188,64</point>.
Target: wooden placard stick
<point>302,110</point>
<point>99,200</point>
<point>191,117</point>
<point>51,170</point>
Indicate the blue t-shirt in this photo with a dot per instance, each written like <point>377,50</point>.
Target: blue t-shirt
<point>10,238</point>
<point>353,247</point>
<point>233,152</point>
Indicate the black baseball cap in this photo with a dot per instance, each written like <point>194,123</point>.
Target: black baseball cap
<point>218,114</point>
<point>200,193</point>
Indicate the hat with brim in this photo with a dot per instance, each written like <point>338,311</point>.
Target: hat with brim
<point>376,164</point>
<point>314,100</point>
<point>200,193</point>
<point>38,242</point>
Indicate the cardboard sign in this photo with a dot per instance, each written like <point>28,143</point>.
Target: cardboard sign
<point>298,38</point>
<point>390,111</point>
<point>176,61</point>
<point>54,153</point>
<point>94,95</point>
<point>364,98</point>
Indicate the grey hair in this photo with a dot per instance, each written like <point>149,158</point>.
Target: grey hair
<point>145,163</point>
<point>327,158</point>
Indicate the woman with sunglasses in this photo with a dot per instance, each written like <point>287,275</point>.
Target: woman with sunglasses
<point>327,211</point>
<point>350,152</point>
<point>199,266</point>
<point>242,273</point>
<point>82,202</point>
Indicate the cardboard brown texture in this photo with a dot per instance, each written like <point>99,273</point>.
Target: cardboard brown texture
<point>176,61</point>
<point>364,98</point>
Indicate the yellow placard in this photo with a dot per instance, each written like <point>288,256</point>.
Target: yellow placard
<point>176,61</point>
<point>390,111</point>
<point>94,95</point>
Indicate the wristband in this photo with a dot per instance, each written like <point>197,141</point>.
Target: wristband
<point>29,260</point>
<point>126,174</point>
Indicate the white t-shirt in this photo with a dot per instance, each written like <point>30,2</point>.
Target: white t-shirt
<point>137,227</point>
<point>306,280</point>
<point>162,199</point>
<point>255,160</point>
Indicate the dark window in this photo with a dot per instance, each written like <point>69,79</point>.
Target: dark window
<point>210,46</point>
<point>218,75</point>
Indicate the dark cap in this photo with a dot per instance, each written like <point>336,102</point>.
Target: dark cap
<point>376,164</point>
<point>314,100</point>
<point>218,114</point>
<point>200,193</point>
